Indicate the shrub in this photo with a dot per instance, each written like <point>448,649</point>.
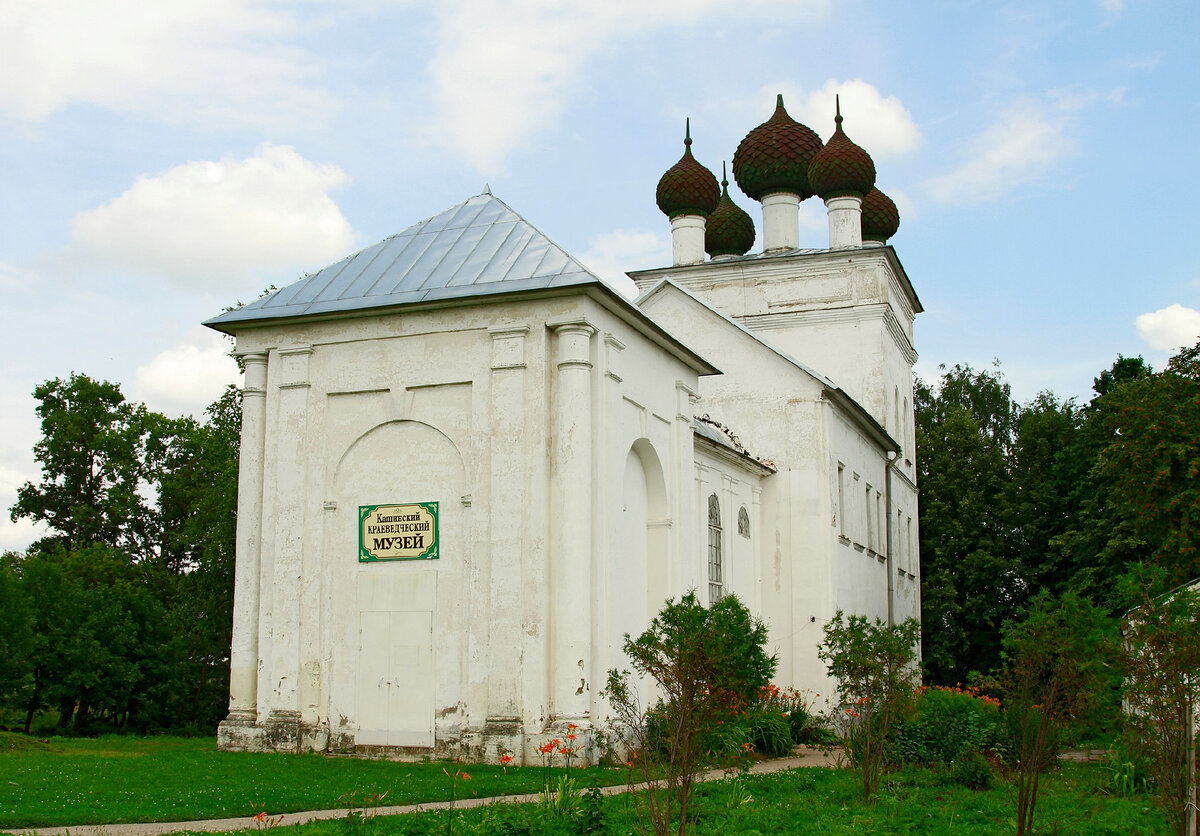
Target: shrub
<point>972,770</point>
<point>876,670</point>
<point>1053,671</point>
<point>708,664</point>
<point>947,723</point>
<point>769,731</point>
<point>1161,657</point>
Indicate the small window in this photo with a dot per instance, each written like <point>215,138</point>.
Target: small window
<point>743,522</point>
<point>715,584</point>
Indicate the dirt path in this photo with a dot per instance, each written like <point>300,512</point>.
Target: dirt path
<point>803,757</point>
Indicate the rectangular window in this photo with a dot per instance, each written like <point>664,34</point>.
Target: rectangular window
<point>841,499</point>
<point>869,513</point>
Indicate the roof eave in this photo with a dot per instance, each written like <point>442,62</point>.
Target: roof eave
<point>598,291</point>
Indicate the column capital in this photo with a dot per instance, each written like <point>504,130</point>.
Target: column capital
<point>255,365</point>
<point>574,343</point>
<point>572,326</point>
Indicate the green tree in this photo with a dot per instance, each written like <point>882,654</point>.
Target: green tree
<point>1046,467</point>
<point>708,664</point>
<point>93,453</point>
<point>1153,461</point>
<point>16,632</point>
<point>147,644</point>
<point>970,581</point>
<point>197,505</point>
<point>875,666</point>
<point>98,632</point>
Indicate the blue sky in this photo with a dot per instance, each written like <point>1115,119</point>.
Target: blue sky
<point>160,161</point>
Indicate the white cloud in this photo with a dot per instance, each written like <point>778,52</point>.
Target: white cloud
<point>194,61</point>
<point>504,69</point>
<point>611,254</point>
<point>1169,328</point>
<point>1026,142</point>
<point>187,377</point>
<point>218,224</point>
<point>879,124</point>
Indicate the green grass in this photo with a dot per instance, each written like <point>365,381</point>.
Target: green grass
<point>71,781</point>
<point>814,801</point>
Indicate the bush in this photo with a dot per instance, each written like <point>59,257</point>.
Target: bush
<point>708,663</point>
<point>949,722</point>
<point>770,731</point>
<point>972,770</point>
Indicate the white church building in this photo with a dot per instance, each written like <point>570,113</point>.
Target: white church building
<point>469,466</point>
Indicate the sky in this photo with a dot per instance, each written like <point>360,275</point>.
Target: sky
<point>161,161</point>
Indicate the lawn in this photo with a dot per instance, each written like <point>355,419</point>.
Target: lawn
<point>115,779</point>
<point>69,781</point>
<point>809,801</point>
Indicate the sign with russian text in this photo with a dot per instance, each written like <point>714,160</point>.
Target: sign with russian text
<point>398,532</point>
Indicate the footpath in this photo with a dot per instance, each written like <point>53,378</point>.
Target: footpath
<point>803,757</point>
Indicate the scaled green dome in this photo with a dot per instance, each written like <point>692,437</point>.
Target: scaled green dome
<point>880,218</point>
<point>729,230</point>
<point>841,167</point>
<point>687,188</point>
<point>774,157</point>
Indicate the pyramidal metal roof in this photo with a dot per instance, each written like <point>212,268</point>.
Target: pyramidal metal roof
<point>479,247</point>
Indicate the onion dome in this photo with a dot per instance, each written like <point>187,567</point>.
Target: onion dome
<point>729,230</point>
<point>774,157</point>
<point>841,167</point>
<point>687,188</point>
<point>880,218</point>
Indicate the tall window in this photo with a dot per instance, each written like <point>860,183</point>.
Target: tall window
<point>715,584</point>
<point>743,522</point>
<point>869,512</point>
<point>841,500</point>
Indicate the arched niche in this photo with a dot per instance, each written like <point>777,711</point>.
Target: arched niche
<point>396,630</point>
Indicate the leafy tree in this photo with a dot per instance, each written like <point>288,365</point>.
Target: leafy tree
<point>1100,542</point>
<point>98,631</point>
<point>1161,656</point>
<point>197,502</point>
<point>708,664</point>
<point>1042,503</point>
<point>970,582</point>
<point>93,454</point>
<point>130,601</point>
<point>1055,666</point>
<point>16,631</point>
<point>876,671</point>
<point>1153,461</point>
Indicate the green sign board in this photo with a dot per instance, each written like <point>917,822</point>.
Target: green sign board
<point>398,532</point>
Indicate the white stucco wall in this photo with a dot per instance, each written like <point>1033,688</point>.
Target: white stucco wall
<point>519,419</point>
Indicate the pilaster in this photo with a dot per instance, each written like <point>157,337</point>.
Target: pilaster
<point>571,513</point>
<point>507,523</point>
<point>290,485</point>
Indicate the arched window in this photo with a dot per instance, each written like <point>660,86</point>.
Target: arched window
<point>743,522</point>
<point>715,584</point>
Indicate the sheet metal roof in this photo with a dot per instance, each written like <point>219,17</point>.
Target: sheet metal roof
<point>477,248</point>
